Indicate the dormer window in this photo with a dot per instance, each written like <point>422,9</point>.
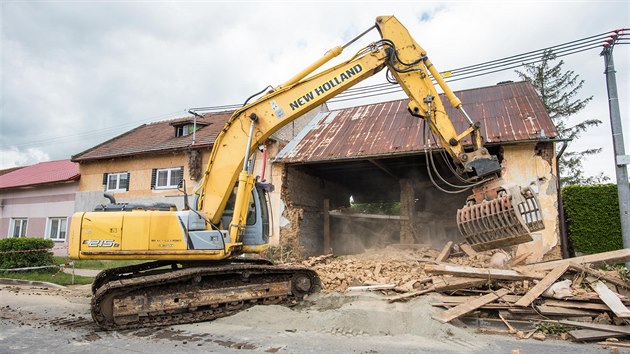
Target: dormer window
<point>186,128</point>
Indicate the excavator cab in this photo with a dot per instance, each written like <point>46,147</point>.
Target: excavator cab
<point>257,226</point>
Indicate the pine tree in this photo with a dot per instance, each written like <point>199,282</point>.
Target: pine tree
<point>558,90</point>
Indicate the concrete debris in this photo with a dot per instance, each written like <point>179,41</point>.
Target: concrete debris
<point>486,284</point>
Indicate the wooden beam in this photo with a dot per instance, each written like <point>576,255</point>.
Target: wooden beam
<point>371,287</point>
<point>582,305</point>
<point>519,259</point>
<point>382,168</point>
<point>599,275</point>
<point>441,284</point>
<point>600,327</point>
<point>460,299</point>
<point>612,257</point>
<point>486,273</point>
<point>584,335</point>
<point>468,249</point>
<point>327,248</point>
<point>567,312</point>
<point>338,214</point>
<point>465,308</point>
<point>610,299</point>
<point>614,344</point>
<point>455,283</point>
<point>542,285</point>
<point>446,251</point>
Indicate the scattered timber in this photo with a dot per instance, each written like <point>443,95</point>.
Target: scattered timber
<point>467,307</point>
<point>612,257</point>
<point>446,251</point>
<point>585,335</point>
<point>486,273</point>
<point>610,299</point>
<point>542,285</point>
<point>601,327</point>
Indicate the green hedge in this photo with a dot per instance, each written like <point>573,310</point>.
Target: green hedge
<point>38,252</point>
<point>592,213</point>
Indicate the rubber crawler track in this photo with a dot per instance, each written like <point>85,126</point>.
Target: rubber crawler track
<point>189,280</point>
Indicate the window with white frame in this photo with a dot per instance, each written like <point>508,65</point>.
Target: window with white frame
<point>18,227</point>
<point>168,177</point>
<point>117,181</point>
<point>57,228</point>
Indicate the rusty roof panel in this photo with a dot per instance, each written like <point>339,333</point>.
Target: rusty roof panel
<point>507,112</point>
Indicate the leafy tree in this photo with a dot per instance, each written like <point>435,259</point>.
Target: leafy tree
<point>558,90</point>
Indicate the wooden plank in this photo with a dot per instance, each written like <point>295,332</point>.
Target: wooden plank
<point>600,275</point>
<point>563,311</point>
<point>584,335</point>
<point>441,284</point>
<point>486,273</point>
<point>446,251</point>
<point>410,246</point>
<point>542,285</point>
<point>610,299</point>
<point>327,226</point>
<point>460,299</point>
<point>492,306</point>
<point>575,305</point>
<point>409,295</point>
<point>612,257</point>
<point>455,283</point>
<point>519,259</point>
<point>614,344</point>
<point>601,327</point>
<point>467,249</point>
<point>339,214</point>
<point>465,308</point>
<point>371,287</point>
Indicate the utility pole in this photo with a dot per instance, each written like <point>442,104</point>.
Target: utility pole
<point>621,159</point>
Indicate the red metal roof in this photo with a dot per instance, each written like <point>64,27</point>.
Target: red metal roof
<point>507,112</point>
<point>157,137</point>
<point>42,173</point>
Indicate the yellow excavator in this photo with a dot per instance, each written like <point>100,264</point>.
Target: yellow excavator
<point>196,269</point>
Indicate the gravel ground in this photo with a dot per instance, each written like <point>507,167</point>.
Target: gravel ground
<point>39,320</point>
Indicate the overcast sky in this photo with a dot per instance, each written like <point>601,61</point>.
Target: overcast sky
<point>75,74</point>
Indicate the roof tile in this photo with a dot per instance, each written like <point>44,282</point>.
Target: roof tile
<point>42,173</point>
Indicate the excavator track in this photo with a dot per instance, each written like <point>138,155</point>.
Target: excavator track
<point>194,294</point>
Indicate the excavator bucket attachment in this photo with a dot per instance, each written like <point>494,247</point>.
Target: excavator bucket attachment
<point>506,220</point>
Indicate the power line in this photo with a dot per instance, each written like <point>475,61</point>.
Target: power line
<point>381,89</point>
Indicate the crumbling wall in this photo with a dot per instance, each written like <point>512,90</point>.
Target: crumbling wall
<point>303,195</point>
<point>534,165</point>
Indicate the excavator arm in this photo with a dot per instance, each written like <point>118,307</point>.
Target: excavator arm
<point>254,123</point>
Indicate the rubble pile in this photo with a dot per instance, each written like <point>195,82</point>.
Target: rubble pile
<point>388,266</point>
<point>568,296</point>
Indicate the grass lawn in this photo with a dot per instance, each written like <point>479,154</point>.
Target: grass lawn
<point>95,264</point>
<point>50,277</point>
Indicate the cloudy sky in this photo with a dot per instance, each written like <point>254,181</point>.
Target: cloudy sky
<point>77,73</point>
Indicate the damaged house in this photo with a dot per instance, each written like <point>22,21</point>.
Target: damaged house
<point>379,154</point>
